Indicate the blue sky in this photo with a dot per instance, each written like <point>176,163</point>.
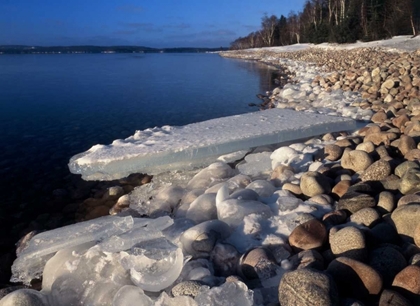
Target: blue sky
<point>152,23</point>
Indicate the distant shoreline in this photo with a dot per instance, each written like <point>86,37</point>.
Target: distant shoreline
<point>100,50</point>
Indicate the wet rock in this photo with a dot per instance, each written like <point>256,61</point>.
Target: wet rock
<point>307,287</point>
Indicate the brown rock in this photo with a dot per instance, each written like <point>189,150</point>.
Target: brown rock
<point>406,144</point>
<point>368,147</point>
<point>408,283</point>
<point>293,188</point>
<point>379,117</point>
<point>355,278</point>
<point>400,121</point>
<point>309,235</point>
<point>381,137</point>
<point>413,154</point>
<point>333,152</point>
<point>354,201</point>
<point>403,167</point>
<point>341,188</point>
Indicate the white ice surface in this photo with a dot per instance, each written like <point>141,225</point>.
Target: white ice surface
<point>162,149</point>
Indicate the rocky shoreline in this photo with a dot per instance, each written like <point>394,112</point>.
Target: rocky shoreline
<point>362,246</point>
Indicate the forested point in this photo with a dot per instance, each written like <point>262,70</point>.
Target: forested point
<point>336,21</point>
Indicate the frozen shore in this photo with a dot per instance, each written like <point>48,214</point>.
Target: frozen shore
<point>334,220</point>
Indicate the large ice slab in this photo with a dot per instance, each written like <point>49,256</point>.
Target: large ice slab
<point>167,148</point>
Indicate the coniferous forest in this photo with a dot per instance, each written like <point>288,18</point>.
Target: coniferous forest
<point>336,21</point>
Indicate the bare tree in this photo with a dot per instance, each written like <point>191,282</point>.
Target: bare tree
<point>269,26</point>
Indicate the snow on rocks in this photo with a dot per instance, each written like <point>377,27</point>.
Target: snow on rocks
<point>261,229</point>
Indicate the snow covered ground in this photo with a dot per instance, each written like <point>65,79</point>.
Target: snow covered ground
<point>396,44</point>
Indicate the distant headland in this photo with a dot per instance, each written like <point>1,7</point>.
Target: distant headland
<point>22,49</point>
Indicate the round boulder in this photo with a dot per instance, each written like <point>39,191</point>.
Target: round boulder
<point>379,170</point>
<point>356,160</point>
<point>314,183</point>
<point>309,235</point>
<point>333,152</point>
<point>354,278</point>
<point>307,287</point>
<point>388,261</point>
<point>408,282</point>
<point>406,219</point>
<point>349,242</point>
<point>366,216</point>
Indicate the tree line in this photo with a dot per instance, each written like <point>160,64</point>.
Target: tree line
<point>336,21</point>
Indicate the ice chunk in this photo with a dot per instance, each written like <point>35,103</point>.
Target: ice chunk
<point>228,294</point>
<point>128,239</point>
<point>154,264</point>
<point>233,211</point>
<point>131,295</point>
<point>31,261</point>
<point>162,149</point>
<point>257,165</point>
<point>165,300</point>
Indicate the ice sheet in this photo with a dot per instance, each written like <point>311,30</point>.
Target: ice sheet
<point>162,149</point>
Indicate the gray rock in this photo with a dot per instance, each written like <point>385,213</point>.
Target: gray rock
<point>410,181</point>
<point>393,298</point>
<point>386,202</point>
<point>307,287</point>
<point>314,183</point>
<point>349,242</point>
<point>187,288</point>
<point>356,160</point>
<point>403,167</point>
<point>379,170</point>
<point>366,216</point>
<point>354,201</point>
<point>406,218</point>
<point>7,290</point>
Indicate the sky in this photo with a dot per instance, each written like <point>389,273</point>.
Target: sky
<point>151,23</point>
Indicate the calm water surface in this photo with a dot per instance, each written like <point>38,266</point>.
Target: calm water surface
<point>55,106</point>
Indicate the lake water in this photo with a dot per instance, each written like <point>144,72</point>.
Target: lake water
<point>55,106</point>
